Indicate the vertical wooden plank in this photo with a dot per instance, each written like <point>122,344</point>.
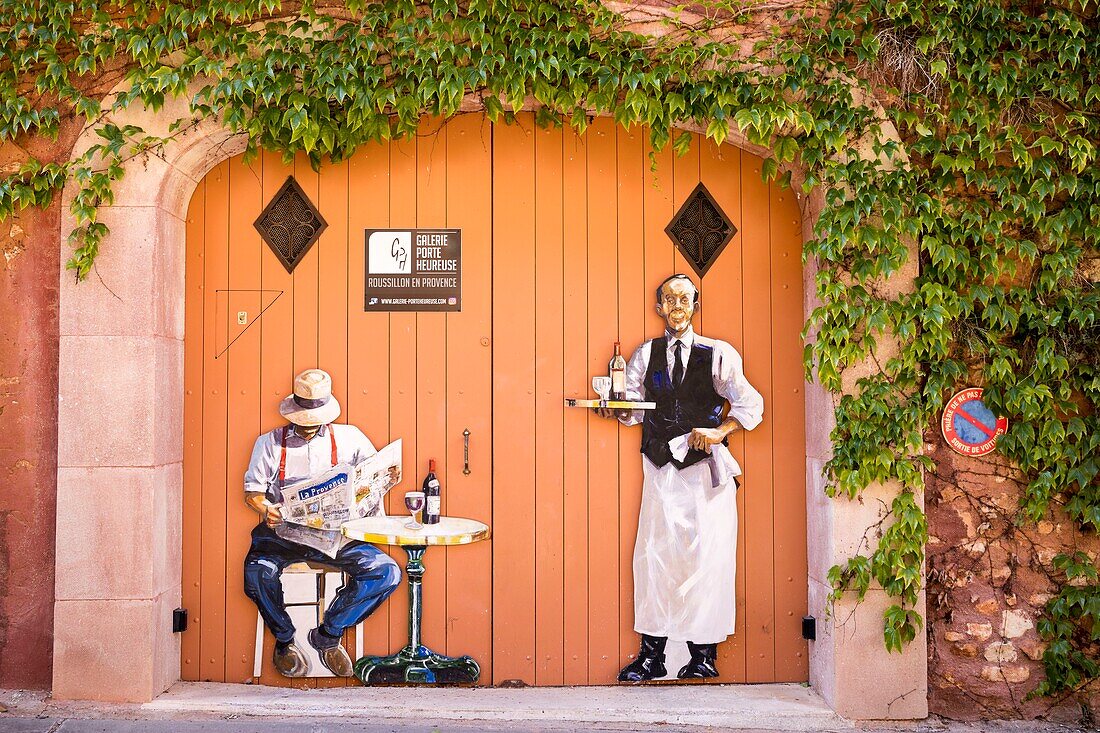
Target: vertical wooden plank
<point>276,347</point>
<point>789,444</point>
<point>403,375</point>
<point>720,168</point>
<point>332,294</point>
<point>549,410</point>
<point>632,170</point>
<point>757,482</point>
<point>513,385</point>
<point>603,466</point>
<point>216,274</point>
<point>431,370</point>
<point>658,208</point>
<point>243,363</point>
<point>306,285</point>
<point>368,337</point>
<point>685,171</point>
<point>192,431</point>
<point>469,389</point>
<point>577,382</point>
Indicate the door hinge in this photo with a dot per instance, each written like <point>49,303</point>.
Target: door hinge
<point>179,620</point>
<point>809,628</point>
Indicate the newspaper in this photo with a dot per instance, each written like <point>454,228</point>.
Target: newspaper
<point>314,509</point>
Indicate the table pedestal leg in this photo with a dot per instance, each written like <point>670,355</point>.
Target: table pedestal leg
<point>416,663</point>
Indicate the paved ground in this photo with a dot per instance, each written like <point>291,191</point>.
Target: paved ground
<point>35,713</point>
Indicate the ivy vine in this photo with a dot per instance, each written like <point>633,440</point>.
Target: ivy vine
<point>994,183</point>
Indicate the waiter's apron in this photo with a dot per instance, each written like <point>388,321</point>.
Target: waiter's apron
<point>685,558</point>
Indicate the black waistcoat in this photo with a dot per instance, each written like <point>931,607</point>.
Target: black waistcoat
<point>693,404</point>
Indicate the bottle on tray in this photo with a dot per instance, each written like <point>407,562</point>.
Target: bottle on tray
<point>617,370</point>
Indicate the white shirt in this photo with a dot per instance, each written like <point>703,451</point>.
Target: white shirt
<point>303,459</point>
<point>727,373</point>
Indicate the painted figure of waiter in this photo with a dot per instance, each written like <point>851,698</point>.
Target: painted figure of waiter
<point>686,551</point>
<point>308,445</point>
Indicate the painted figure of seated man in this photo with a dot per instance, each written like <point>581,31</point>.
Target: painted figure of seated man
<point>309,445</point>
<point>686,551</point>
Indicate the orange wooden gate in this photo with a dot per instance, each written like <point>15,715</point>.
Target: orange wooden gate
<point>563,243</point>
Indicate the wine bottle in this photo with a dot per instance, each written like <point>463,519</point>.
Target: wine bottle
<point>617,370</point>
<point>431,492</point>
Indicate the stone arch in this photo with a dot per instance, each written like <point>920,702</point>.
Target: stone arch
<point>120,446</point>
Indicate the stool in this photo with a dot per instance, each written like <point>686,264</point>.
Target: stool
<point>300,591</point>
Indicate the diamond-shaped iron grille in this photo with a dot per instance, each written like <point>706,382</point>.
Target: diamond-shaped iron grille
<point>290,224</point>
<point>701,230</point>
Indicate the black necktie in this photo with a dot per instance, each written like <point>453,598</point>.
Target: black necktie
<point>677,368</point>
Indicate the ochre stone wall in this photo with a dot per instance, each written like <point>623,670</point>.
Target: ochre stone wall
<point>28,440</point>
<point>30,263</point>
<point>989,578</point>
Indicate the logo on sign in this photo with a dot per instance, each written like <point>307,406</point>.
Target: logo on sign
<point>968,426</point>
<point>390,253</point>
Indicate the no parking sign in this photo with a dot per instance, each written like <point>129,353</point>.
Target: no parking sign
<point>968,426</point>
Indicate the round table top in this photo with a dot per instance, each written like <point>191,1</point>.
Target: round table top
<point>392,531</point>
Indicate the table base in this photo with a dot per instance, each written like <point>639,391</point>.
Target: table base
<point>416,665</point>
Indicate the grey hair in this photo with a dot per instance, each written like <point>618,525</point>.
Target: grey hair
<point>677,276</point>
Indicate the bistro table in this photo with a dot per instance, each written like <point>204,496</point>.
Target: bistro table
<point>415,662</point>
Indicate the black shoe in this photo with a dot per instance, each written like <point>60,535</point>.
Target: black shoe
<point>289,660</point>
<point>333,656</point>
<point>650,663</point>
<point>701,666</point>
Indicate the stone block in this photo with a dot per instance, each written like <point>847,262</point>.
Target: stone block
<point>1015,624</point>
<point>852,518</point>
<point>150,180</point>
<point>168,277</point>
<point>165,643</point>
<point>868,682</point>
<point>819,522</point>
<point>105,533</point>
<point>103,650</point>
<point>167,520</point>
<point>106,406</point>
<point>118,296</point>
<point>1033,648</point>
<point>1011,674</point>
<point>980,631</point>
<point>1000,652</point>
<point>823,651</point>
<point>168,401</point>
<point>202,148</point>
<point>965,649</point>
<point>820,421</point>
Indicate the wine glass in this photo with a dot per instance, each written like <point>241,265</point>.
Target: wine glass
<point>414,502</point>
<point>602,385</point>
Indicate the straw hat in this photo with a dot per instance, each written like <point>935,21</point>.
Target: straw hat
<point>312,402</point>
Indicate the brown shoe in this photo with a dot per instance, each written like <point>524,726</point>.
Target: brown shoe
<point>290,661</point>
<point>335,659</point>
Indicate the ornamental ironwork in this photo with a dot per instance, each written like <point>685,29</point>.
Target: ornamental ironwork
<point>701,230</point>
<point>290,224</point>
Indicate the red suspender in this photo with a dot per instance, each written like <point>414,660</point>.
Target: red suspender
<point>282,452</point>
<point>282,458</point>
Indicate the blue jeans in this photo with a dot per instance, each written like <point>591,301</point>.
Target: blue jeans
<point>371,576</point>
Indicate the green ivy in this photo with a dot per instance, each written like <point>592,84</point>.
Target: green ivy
<point>994,183</point>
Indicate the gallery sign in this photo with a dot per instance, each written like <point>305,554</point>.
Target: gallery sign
<point>413,270</point>
<point>968,426</point>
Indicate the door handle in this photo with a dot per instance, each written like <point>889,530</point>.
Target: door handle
<point>466,452</point>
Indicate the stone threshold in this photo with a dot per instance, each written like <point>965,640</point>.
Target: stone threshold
<point>779,707</point>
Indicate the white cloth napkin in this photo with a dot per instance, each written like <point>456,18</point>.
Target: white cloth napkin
<point>723,465</point>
